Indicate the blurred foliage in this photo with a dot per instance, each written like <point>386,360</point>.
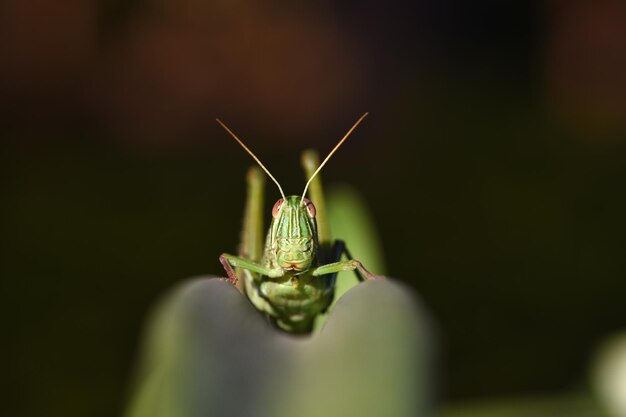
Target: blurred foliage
<point>350,219</point>
<point>210,353</point>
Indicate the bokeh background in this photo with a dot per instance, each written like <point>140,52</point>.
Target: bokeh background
<point>493,161</point>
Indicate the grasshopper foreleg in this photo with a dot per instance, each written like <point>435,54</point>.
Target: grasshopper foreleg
<point>230,261</point>
<point>232,277</point>
<point>350,265</point>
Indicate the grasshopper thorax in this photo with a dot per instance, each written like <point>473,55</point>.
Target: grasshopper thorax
<point>294,233</point>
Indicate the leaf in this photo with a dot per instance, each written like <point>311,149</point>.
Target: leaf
<point>210,353</point>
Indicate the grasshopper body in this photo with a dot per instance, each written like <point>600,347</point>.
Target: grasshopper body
<point>291,278</point>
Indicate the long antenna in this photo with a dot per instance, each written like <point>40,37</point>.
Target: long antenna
<point>306,187</point>
<point>253,156</point>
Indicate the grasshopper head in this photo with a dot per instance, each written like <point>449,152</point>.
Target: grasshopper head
<point>294,230</point>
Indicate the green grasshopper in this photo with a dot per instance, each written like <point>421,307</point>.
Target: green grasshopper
<point>292,279</point>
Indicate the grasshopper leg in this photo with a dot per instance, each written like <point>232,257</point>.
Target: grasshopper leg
<point>350,265</point>
<point>341,248</point>
<point>229,261</point>
<point>251,246</point>
<point>337,251</point>
<point>232,277</point>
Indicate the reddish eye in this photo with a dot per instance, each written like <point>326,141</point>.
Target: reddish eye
<point>276,208</point>
<point>310,208</point>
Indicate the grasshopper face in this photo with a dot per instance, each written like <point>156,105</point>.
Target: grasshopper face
<point>294,233</point>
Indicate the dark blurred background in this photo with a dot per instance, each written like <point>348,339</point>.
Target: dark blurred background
<point>493,160</point>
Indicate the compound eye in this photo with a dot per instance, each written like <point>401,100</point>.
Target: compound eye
<point>276,208</point>
<point>310,208</point>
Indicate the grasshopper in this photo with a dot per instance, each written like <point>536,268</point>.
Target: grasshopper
<point>292,278</point>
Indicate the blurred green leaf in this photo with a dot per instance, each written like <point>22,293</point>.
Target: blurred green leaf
<point>351,222</point>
